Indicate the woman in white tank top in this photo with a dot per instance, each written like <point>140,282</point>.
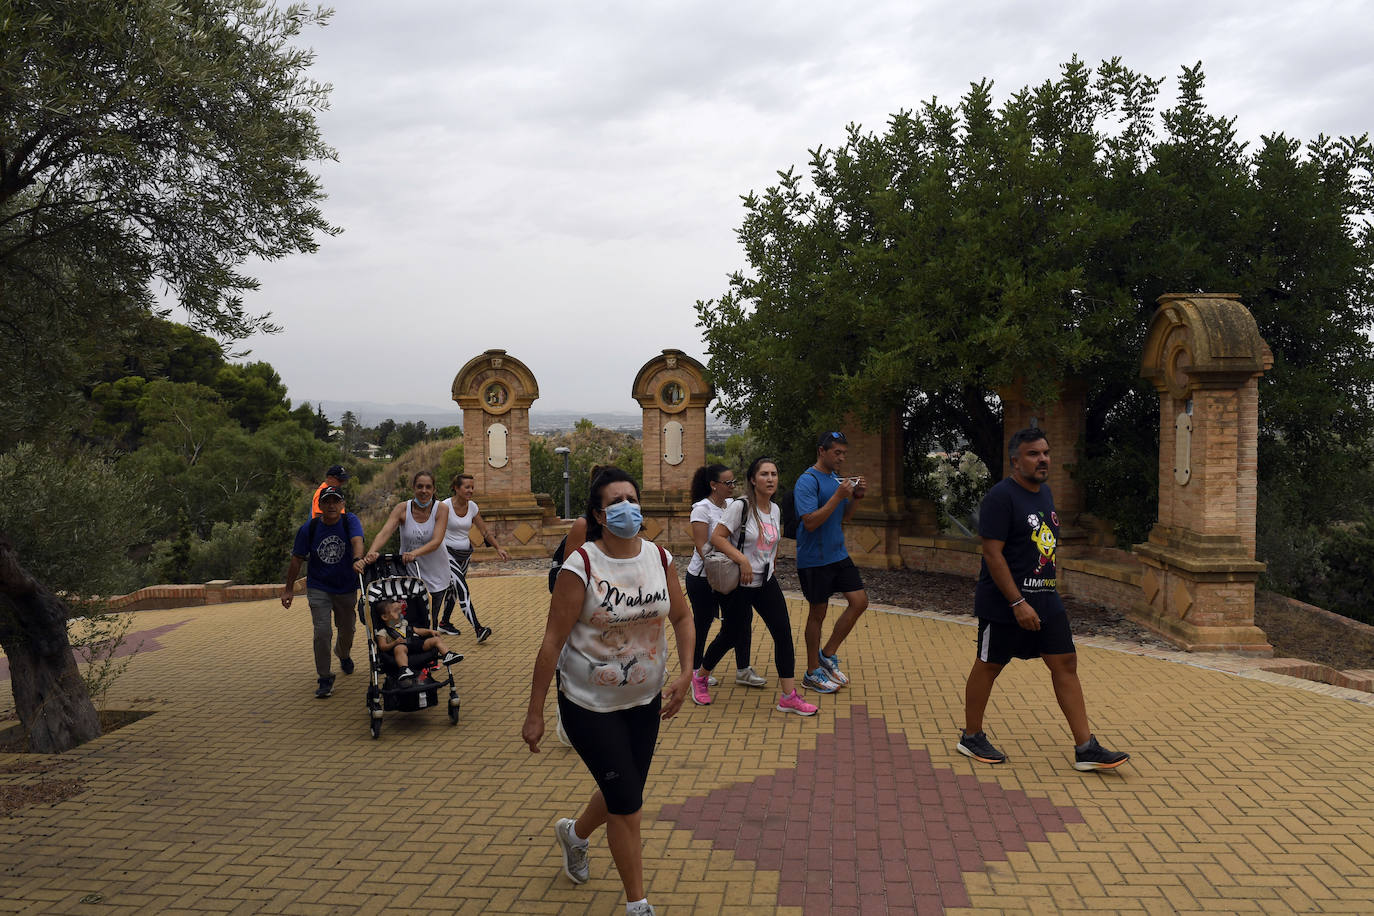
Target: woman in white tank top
<point>418,519</point>
<point>462,516</point>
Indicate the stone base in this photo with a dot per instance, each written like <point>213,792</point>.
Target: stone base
<point>1248,640</point>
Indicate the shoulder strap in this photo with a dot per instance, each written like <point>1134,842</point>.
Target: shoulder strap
<point>662,557</point>
<point>586,561</point>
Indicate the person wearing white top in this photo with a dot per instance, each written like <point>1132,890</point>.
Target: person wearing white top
<point>758,588</point>
<point>606,639</point>
<point>712,486</point>
<point>418,518</point>
<point>463,516</point>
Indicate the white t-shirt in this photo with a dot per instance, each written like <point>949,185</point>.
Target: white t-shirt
<point>456,535</point>
<point>616,655</point>
<point>703,511</point>
<point>433,566</point>
<point>760,544</point>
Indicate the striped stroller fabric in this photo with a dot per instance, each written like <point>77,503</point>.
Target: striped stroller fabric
<point>396,588</point>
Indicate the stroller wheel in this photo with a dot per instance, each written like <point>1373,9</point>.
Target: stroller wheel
<point>453,714</point>
<point>376,725</point>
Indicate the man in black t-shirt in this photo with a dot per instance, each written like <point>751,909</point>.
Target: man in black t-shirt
<point>1018,607</point>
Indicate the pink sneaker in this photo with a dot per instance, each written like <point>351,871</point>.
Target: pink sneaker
<point>793,702</point>
<point>701,694</point>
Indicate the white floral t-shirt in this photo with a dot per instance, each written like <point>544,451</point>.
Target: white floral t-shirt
<point>616,656</point>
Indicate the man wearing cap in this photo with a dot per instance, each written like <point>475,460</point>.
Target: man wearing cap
<point>333,543</point>
<point>335,477</point>
<point>824,500</point>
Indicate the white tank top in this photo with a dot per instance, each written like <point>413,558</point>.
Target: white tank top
<point>457,535</point>
<point>433,566</point>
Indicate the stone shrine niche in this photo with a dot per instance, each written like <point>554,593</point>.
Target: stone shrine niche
<point>495,391</point>
<point>671,389</point>
<point>1204,355</point>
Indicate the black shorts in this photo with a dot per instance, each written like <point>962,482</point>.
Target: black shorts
<point>999,643</point>
<point>617,748</point>
<point>818,583</point>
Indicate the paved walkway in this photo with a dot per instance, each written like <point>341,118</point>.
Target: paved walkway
<point>242,793</point>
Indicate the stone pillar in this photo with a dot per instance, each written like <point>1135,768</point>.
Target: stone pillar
<point>673,392</point>
<point>1204,356</point>
<point>495,392</point>
<point>873,533</point>
<point>1065,424</point>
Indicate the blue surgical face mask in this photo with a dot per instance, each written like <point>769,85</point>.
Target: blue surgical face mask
<point>624,519</point>
<point>423,505</point>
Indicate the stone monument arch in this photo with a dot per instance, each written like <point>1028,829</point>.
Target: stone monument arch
<point>672,390</point>
<point>1204,355</point>
<point>495,391</point>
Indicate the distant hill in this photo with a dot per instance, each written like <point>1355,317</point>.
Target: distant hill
<point>370,413</point>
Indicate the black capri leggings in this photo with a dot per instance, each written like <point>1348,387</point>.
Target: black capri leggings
<point>705,608</point>
<point>768,601</point>
<point>617,748</point>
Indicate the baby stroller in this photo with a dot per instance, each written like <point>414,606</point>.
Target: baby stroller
<point>384,581</point>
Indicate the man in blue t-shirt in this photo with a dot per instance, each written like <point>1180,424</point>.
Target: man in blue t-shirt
<point>334,545</point>
<point>1017,603</point>
<point>824,500</point>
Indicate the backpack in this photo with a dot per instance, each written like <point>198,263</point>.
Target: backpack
<point>556,562</point>
<point>788,504</point>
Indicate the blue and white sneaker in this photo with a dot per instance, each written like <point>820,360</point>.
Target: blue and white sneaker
<point>819,681</point>
<point>831,664</point>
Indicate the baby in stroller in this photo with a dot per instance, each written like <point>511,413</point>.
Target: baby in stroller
<point>399,638</point>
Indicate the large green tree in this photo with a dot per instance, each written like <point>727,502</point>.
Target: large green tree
<point>141,142</point>
<point>974,245</point>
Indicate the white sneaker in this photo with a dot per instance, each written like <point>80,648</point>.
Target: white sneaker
<point>639,908</point>
<point>748,677</point>
<point>575,864</point>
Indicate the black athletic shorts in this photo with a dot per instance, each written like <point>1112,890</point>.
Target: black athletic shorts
<point>818,583</point>
<point>999,643</point>
<point>617,748</point>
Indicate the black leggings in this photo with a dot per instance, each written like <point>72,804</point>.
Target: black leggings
<point>768,601</point>
<point>705,608</point>
<point>617,748</point>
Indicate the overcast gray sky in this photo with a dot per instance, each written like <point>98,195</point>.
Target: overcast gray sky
<point>562,180</point>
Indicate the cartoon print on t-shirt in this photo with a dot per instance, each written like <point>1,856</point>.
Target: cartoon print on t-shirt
<point>1043,536</point>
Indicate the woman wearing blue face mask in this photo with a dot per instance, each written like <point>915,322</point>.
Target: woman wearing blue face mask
<point>607,641</point>
<point>418,518</point>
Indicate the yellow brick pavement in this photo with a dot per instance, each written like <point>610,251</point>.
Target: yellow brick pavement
<point>244,794</point>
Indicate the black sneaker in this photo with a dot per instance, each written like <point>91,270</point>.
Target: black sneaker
<point>1097,757</point>
<point>979,748</point>
<point>347,665</point>
<point>451,658</point>
<point>483,633</point>
<point>448,629</point>
<point>405,675</point>
<point>326,687</point>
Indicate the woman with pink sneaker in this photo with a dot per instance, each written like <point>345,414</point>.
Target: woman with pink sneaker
<point>758,586</point>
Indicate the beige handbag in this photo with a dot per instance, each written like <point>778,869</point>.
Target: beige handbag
<point>722,573</point>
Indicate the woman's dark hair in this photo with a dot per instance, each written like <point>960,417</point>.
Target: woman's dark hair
<point>418,474</point>
<point>706,475</point>
<point>607,476</point>
<point>458,479</point>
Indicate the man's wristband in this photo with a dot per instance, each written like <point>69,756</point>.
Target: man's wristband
<point>1017,601</point>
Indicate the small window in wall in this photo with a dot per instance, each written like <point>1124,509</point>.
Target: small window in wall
<point>496,445</point>
<point>672,442</point>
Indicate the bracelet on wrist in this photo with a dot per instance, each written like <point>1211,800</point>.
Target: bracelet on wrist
<point>1017,601</point>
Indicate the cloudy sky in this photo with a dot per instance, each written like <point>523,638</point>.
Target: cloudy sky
<point>562,181</point>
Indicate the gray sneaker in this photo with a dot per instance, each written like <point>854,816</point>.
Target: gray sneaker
<point>641,908</point>
<point>979,748</point>
<point>749,677</point>
<point>574,855</point>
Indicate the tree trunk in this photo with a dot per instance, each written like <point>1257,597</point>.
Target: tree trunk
<point>49,695</point>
